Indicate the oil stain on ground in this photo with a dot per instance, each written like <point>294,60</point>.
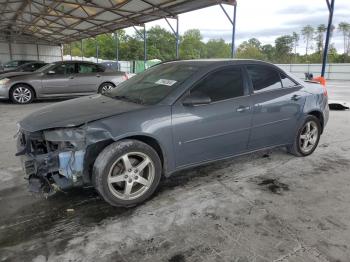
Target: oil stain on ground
<point>274,186</point>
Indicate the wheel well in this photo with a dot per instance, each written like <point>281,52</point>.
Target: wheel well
<point>319,115</point>
<point>95,149</point>
<point>107,82</point>
<point>12,87</point>
<point>152,143</point>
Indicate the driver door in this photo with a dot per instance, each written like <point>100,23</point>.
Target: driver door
<point>59,79</point>
<point>217,129</point>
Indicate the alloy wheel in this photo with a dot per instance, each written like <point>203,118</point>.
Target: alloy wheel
<point>106,88</point>
<point>308,137</point>
<point>22,94</point>
<point>131,175</point>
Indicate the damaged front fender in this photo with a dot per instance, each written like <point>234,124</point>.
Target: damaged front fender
<point>60,159</point>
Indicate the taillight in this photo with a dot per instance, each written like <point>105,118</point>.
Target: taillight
<point>325,92</point>
<point>125,77</point>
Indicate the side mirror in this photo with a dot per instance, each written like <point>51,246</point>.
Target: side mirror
<point>196,98</point>
<point>51,72</point>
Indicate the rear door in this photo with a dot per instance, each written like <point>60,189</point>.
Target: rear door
<point>59,79</point>
<point>277,106</point>
<point>87,78</point>
<point>215,130</point>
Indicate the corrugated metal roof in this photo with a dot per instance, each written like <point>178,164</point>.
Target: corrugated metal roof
<point>64,21</point>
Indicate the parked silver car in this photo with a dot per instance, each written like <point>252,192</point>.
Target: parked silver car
<point>59,79</point>
<point>173,116</point>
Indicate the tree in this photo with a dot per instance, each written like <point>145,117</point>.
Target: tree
<point>268,52</point>
<point>345,29</point>
<point>217,49</point>
<point>191,46</point>
<point>160,44</point>
<point>284,47</point>
<point>320,30</point>
<point>250,49</point>
<point>307,32</point>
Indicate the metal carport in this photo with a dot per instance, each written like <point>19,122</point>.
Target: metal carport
<point>65,21</point>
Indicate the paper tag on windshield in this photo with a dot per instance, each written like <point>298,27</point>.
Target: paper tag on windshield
<point>166,82</point>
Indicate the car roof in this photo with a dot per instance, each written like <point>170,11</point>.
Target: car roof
<point>75,61</point>
<point>210,62</point>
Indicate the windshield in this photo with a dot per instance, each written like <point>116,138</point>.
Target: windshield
<point>153,85</point>
<point>44,68</point>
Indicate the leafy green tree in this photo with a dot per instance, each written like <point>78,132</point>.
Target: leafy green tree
<point>160,44</point>
<point>218,49</point>
<point>269,52</point>
<point>320,30</point>
<point>250,49</point>
<point>284,47</point>
<point>308,32</point>
<point>192,46</point>
<point>344,27</point>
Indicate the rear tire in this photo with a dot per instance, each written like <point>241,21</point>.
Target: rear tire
<point>307,137</point>
<point>126,173</point>
<point>22,94</point>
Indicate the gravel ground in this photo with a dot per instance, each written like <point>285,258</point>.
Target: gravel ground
<point>268,206</point>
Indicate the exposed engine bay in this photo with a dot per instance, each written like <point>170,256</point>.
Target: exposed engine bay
<point>59,159</point>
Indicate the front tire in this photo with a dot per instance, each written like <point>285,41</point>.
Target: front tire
<point>22,94</point>
<point>126,173</point>
<point>307,137</point>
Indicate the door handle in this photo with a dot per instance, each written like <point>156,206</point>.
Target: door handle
<point>98,76</point>
<point>71,77</point>
<point>295,97</point>
<point>243,108</point>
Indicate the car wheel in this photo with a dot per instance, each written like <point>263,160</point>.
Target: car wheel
<point>21,94</point>
<point>105,87</point>
<point>127,173</point>
<point>307,137</point>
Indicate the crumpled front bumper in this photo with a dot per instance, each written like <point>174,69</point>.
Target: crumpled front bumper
<point>51,171</point>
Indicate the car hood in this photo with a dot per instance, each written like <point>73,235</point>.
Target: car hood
<point>13,74</point>
<point>76,112</point>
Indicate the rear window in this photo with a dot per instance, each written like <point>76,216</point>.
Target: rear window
<point>287,82</point>
<point>264,78</point>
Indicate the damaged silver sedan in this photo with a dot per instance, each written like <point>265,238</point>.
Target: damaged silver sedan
<point>173,116</point>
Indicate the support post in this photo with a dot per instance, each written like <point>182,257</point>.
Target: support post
<point>176,34</point>
<point>37,51</point>
<point>177,38</point>
<point>82,50</point>
<point>145,45</point>
<point>97,49</point>
<point>144,37</point>
<point>233,23</point>
<point>70,51</point>
<point>329,28</point>
<point>117,47</point>
<point>10,50</point>
<point>233,51</point>
<point>61,52</point>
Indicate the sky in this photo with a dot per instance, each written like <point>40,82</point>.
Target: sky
<point>263,19</point>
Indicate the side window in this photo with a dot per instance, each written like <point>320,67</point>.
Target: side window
<point>287,82</point>
<point>11,64</point>
<point>65,69</point>
<point>264,78</point>
<point>101,69</point>
<point>221,85</point>
<point>87,68</point>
